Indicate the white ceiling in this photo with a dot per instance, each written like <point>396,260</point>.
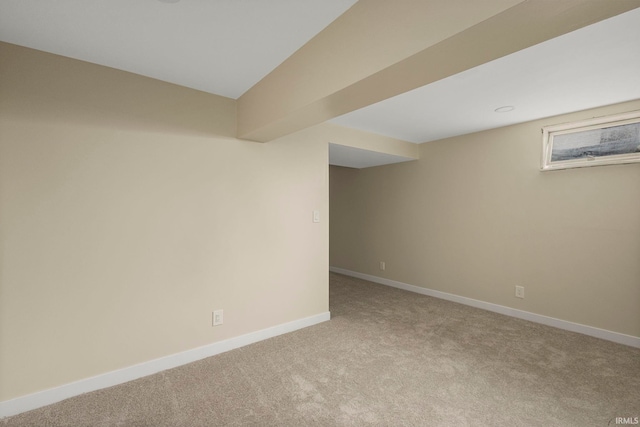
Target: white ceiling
<point>217,46</point>
<point>591,67</point>
<point>226,46</point>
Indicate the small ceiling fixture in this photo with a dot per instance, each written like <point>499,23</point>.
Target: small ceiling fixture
<point>505,109</point>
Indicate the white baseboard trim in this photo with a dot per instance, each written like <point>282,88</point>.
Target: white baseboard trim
<point>56,394</point>
<point>520,314</point>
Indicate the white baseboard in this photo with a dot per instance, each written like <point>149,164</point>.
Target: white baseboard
<point>56,394</point>
<point>520,314</point>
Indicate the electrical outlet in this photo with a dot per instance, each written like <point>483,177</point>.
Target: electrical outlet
<point>382,265</point>
<point>217,317</point>
<point>519,291</point>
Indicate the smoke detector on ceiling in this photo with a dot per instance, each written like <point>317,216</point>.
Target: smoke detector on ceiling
<point>505,109</point>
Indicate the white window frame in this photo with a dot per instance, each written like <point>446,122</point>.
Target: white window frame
<point>549,132</point>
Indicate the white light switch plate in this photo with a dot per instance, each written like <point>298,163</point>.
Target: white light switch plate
<point>217,317</point>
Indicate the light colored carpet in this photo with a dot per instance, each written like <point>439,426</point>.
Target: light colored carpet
<point>387,358</point>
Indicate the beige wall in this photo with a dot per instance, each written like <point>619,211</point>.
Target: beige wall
<point>475,217</point>
<point>128,213</point>
<point>357,138</point>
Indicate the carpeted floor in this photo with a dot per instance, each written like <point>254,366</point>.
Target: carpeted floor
<point>387,358</point>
